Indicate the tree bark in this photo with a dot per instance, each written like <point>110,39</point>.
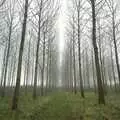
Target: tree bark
<point>17,87</point>
<point>101,98</point>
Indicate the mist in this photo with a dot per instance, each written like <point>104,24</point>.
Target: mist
<point>62,54</point>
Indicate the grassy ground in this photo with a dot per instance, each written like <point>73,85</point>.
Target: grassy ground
<point>63,106</point>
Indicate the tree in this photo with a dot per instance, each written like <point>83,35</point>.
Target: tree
<point>37,51</point>
<point>74,58</point>
<point>79,49</point>
<point>18,78</point>
<point>99,79</point>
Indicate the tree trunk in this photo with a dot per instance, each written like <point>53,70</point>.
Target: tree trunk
<point>42,82</point>
<point>87,71</point>
<point>17,87</point>
<point>28,68</point>
<point>93,70</point>
<point>79,56</point>
<point>37,55</point>
<point>74,60</point>
<point>99,80</point>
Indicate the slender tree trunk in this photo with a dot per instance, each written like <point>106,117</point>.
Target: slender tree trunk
<point>28,68</point>
<point>93,70</point>
<point>84,70</point>
<point>25,71</point>
<point>48,60</point>
<point>17,87</point>
<point>42,82</point>
<point>99,79</point>
<point>87,71</point>
<point>79,55</point>
<point>100,53</point>
<point>47,77</point>
<point>74,67</point>
<point>37,55</point>
<point>50,68</point>
<point>33,60</point>
<point>105,78</point>
<point>74,60</point>
<point>71,63</point>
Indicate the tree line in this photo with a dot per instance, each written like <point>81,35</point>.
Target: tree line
<point>91,56</point>
<point>29,53</point>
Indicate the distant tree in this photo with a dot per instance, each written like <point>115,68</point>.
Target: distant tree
<point>79,4</point>
<point>74,58</point>
<point>37,50</point>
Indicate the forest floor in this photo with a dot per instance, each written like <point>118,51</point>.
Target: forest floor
<point>62,106</point>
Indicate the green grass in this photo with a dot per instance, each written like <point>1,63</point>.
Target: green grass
<point>62,106</point>
<point>26,107</point>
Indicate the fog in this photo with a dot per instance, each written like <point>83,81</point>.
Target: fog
<point>49,46</point>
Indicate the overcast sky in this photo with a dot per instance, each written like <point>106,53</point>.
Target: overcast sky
<point>61,26</point>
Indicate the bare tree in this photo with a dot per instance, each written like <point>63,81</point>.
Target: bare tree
<point>17,87</point>
<point>99,79</point>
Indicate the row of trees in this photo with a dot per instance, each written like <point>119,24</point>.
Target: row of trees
<point>91,57</point>
<point>29,52</point>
